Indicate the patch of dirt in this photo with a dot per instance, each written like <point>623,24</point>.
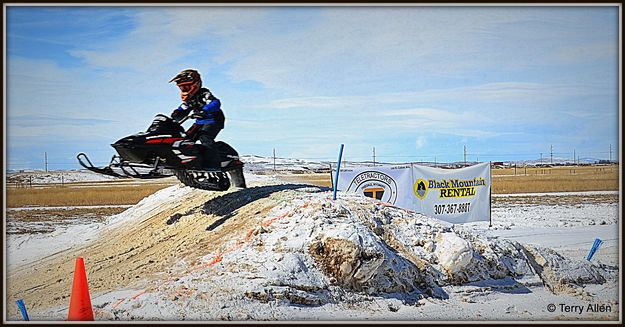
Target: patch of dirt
<point>337,258</point>
<point>133,254</point>
<point>564,200</point>
<point>47,220</point>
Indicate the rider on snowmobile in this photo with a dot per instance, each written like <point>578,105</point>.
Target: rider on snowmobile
<point>206,108</point>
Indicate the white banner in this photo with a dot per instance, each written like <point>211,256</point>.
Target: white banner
<point>385,183</point>
<point>454,195</point>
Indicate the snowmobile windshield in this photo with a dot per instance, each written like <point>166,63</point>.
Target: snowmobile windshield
<point>163,124</point>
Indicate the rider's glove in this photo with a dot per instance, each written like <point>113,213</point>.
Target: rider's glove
<point>197,115</point>
<point>178,115</point>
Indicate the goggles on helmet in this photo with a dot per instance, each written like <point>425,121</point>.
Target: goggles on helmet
<point>186,87</point>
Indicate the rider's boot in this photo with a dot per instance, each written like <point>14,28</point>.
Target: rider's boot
<point>210,157</point>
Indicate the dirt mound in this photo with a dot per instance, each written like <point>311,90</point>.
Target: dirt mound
<point>139,245</point>
<point>196,255</point>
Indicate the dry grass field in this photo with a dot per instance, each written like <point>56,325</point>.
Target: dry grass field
<point>80,196</point>
<point>556,179</point>
<point>562,170</point>
<point>530,180</point>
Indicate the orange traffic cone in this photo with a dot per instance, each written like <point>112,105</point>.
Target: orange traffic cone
<point>79,300</point>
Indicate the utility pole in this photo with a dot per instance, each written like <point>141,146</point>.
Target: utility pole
<point>552,154</point>
<point>610,152</point>
<point>465,155</point>
<point>374,156</point>
<point>574,157</point>
<point>274,159</point>
<point>434,161</point>
<point>45,156</point>
<point>541,158</point>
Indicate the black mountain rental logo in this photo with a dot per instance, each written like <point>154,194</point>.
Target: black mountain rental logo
<point>421,188</point>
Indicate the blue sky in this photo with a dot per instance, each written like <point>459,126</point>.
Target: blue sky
<point>417,83</point>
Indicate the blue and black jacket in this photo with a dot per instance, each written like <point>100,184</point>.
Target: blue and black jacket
<point>206,109</point>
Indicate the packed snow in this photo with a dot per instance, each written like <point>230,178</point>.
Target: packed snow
<point>279,251</point>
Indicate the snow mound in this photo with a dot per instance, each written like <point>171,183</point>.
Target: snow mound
<point>370,247</point>
<point>453,253</point>
<point>310,250</point>
<point>256,253</point>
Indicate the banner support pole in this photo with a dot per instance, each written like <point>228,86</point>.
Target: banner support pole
<point>331,179</point>
<point>490,196</point>
<point>338,168</point>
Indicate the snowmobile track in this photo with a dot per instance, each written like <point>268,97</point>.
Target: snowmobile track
<point>220,182</point>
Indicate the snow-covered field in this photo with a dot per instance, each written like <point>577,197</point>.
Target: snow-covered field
<point>56,176</point>
<point>280,251</point>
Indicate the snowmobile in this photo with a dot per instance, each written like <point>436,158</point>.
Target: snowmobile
<point>163,151</point>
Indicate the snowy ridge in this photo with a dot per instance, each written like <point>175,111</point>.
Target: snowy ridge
<point>258,164</point>
<point>280,251</point>
<point>377,249</point>
<point>312,251</point>
<point>57,176</point>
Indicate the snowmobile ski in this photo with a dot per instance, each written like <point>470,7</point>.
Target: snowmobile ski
<point>119,168</point>
<point>107,170</point>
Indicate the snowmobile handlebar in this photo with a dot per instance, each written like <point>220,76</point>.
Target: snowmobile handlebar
<point>183,120</point>
<point>191,116</point>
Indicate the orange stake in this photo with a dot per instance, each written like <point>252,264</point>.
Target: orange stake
<point>79,300</point>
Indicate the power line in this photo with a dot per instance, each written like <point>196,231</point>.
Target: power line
<point>374,156</point>
<point>465,154</point>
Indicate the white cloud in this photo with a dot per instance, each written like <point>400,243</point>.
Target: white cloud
<point>429,114</point>
<point>42,87</point>
<point>505,93</point>
<point>486,110</point>
<point>420,142</point>
<point>337,48</point>
<point>415,71</point>
<point>167,35</point>
<point>38,87</point>
<point>58,132</point>
<point>352,46</point>
<point>315,102</point>
<point>585,52</point>
<point>348,45</point>
<point>509,92</point>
